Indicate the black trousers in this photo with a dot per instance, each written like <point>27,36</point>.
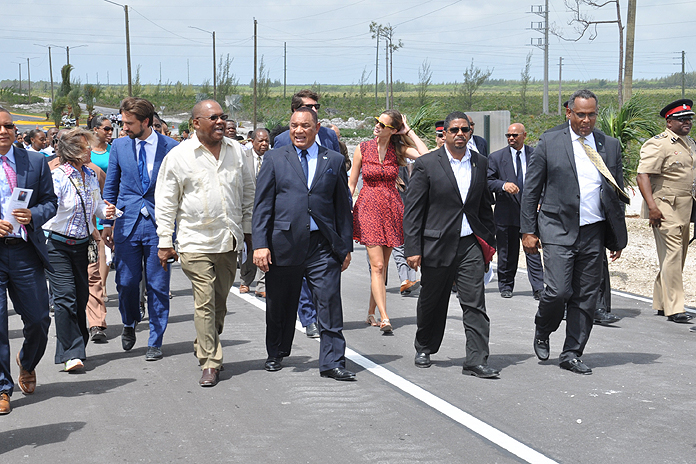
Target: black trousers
<point>573,275</point>
<point>508,240</point>
<point>70,286</point>
<point>283,284</point>
<point>431,312</point>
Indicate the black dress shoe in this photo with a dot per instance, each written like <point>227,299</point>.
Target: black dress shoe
<point>273,364</point>
<point>422,360</point>
<point>484,372</point>
<point>537,294</point>
<point>541,348</point>
<point>312,330</point>
<point>576,365</point>
<point>660,312</point>
<point>128,338</point>
<point>603,317</point>
<point>506,294</point>
<point>338,373</point>
<point>680,318</point>
<point>153,353</point>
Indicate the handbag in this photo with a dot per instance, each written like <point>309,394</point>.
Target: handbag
<point>92,246</point>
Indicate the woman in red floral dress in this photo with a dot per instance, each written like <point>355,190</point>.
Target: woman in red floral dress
<point>378,213</point>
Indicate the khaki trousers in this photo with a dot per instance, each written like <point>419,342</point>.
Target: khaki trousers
<point>211,276</point>
<point>96,309</point>
<point>672,242</point>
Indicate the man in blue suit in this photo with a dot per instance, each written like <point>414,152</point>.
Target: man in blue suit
<point>302,227</point>
<point>130,184</point>
<point>326,138</point>
<point>23,257</point>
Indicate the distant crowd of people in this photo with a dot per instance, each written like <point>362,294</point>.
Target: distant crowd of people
<point>75,203</point>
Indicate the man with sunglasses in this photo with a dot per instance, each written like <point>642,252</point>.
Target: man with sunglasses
<point>134,164</point>
<point>506,171</point>
<point>579,170</point>
<point>667,183</point>
<point>450,234</point>
<point>205,189</point>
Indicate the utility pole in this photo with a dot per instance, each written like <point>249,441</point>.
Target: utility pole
<point>29,80</point>
<point>543,44</point>
<point>67,51</point>
<point>20,77</point>
<point>214,65</point>
<point>188,72</point>
<point>376,30</point>
<point>255,69</point>
<point>630,40</point>
<point>128,51</point>
<point>50,67</point>
<point>560,98</point>
<point>285,66</point>
<point>683,56</point>
<point>386,71</point>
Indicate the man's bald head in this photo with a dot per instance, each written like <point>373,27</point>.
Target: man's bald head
<point>516,135</point>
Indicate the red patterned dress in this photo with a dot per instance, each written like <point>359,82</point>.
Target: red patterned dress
<point>379,212</point>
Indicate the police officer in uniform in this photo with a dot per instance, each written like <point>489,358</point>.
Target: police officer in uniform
<point>667,183</point>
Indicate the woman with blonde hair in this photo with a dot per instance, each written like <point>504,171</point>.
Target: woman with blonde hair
<point>378,213</point>
<point>68,235</point>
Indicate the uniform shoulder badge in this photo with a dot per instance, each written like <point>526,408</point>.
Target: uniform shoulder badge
<point>660,136</point>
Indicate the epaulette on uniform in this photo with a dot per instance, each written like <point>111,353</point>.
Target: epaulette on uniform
<point>660,136</point>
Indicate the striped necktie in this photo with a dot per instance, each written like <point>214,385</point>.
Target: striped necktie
<point>601,167</point>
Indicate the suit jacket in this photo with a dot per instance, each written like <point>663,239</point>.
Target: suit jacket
<point>327,138</point>
<point>552,167</point>
<point>248,156</point>
<point>33,173</point>
<point>434,207</point>
<point>481,145</point>
<point>284,205</point>
<point>123,187</point>
<point>501,169</point>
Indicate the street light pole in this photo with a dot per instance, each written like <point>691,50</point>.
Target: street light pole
<point>50,67</point>
<point>67,50</point>
<point>214,63</point>
<point>128,52</point>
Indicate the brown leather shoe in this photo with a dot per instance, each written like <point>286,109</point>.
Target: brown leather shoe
<point>26,380</point>
<point>243,289</point>
<point>5,407</point>
<point>261,294</point>
<point>209,378</point>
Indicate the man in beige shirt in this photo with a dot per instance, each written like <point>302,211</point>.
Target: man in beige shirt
<point>206,188</point>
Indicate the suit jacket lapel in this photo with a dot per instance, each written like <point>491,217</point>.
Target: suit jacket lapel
<point>322,161</point>
<point>294,160</point>
<point>509,169</point>
<point>567,141</point>
<point>159,156</point>
<point>599,143</point>
<point>22,165</point>
<point>449,173</point>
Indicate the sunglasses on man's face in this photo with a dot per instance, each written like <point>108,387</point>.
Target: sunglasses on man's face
<point>683,119</point>
<point>9,127</point>
<point>214,117</point>
<point>455,130</point>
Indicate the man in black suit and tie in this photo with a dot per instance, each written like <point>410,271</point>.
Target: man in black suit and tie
<point>506,170</point>
<point>23,258</point>
<point>448,208</point>
<point>579,170</point>
<point>302,227</point>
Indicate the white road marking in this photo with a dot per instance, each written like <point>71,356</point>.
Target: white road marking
<point>467,420</point>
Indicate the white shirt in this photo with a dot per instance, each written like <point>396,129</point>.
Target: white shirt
<point>462,173</point>
<point>523,160</point>
<point>312,154</point>
<point>589,179</point>
<point>150,151</point>
<point>210,200</point>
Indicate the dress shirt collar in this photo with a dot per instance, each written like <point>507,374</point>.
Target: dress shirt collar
<point>312,151</point>
<point>10,155</point>
<point>452,159</point>
<point>574,137</point>
<point>151,140</point>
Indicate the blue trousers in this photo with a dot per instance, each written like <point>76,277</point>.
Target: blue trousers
<point>22,276</point>
<point>141,246</point>
<point>306,311</point>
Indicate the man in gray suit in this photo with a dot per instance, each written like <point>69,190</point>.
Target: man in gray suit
<point>580,171</point>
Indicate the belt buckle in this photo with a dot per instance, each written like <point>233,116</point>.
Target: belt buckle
<point>70,241</point>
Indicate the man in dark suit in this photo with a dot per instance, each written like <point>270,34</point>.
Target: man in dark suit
<point>302,227</point>
<point>130,184</point>
<point>23,257</point>
<point>506,170</point>
<point>580,172</point>
<point>448,207</point>
<point>475,142</point>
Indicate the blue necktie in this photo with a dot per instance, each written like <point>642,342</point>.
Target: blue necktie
<point>520,177</point>
<point>142,167</point>
<point>305,164</point>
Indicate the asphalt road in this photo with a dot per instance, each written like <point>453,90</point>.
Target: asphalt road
<point>637,407</point>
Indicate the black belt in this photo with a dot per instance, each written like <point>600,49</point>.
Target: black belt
<point>65,239</point>
<point>12,241</point>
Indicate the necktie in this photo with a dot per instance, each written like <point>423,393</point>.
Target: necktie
<point>142,167</point>
<point>305,164</point>
<point>258,165</point>
<point>599,164</point>
<point>12,180</point>
<point>520,176</point>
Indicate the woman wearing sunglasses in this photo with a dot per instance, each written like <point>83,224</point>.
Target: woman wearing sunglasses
<point>378,212</point>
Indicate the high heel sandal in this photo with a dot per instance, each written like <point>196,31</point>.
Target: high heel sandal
<point>385,326</point>
<point>371,320</point>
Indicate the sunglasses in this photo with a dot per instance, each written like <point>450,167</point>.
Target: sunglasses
<point>316,106</point>
<point>439,135</point>
<point>455,130</point>
<point>107,129</point>
<point>9,127</point>
<point>684,119</point>
<point>382,125</point>
<point>511,135</point>
<point>215,117</point>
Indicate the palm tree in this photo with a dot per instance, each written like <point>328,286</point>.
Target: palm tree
<point>632,125</point>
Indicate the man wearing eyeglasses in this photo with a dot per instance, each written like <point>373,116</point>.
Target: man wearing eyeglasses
<point>134,164</point>
<point>579,170</point>
<point>205,189</point>
<point>666,181</point>
<point>450,234</point>
<point>506,171</point>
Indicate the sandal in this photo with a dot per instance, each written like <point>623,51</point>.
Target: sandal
<point>371,320</point>
<point>385,326</point>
